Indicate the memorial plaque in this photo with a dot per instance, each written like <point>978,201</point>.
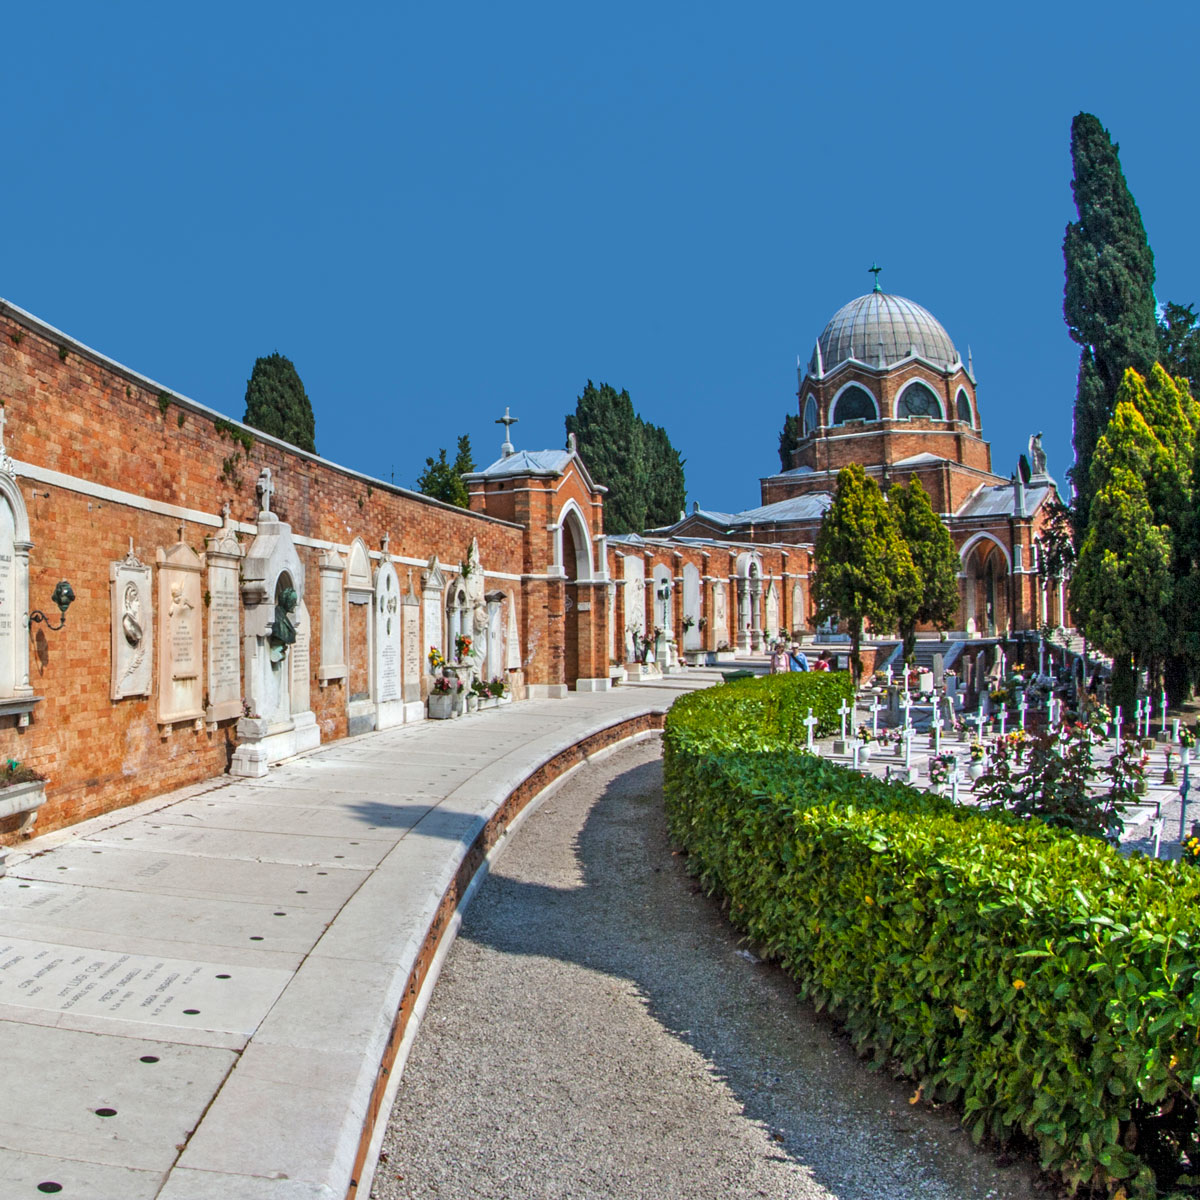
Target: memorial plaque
<point>333,625</point>
<point>432,598</point>
<point>300,660</point>
<point>512,637</point>
<point>224,557</point>
<point>180,670</point>
<point>410,619</point>
<point>132,640</point>
<point>8,622</point>
<point>133,987</point>
<point>387,634</point>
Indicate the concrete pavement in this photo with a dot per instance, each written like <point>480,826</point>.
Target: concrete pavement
<point>203,995</point>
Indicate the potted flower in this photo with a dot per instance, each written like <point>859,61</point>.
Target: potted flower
<point>865,738</point>
<point>437,659</point>
<point>443,696</point>
<point>462,647</point>
<point>479,692</point>
<point>940,767</point>
<point>1187,740</point>
<point>978,763</point>
<point>498,688</point>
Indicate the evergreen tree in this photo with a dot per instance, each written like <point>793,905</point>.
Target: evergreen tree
<point>464,462</point>
<point>789,439</point>
<point>864,571</point>
<point>632,458</point>
<point>933,554</point>
<point>1179,342</point>
<point>1122,591</point>
<point>277,403</point>
<point>1108,301</point>
<point>666,494</point>
<point>444,480</point>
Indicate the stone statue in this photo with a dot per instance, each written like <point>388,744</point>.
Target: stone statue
<point>282,633</point>
<point>130,625</point>
<point>1037,456</point>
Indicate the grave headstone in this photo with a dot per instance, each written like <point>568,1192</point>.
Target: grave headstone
<point>224,559</point>
<point>331,570</point>
<point>132,627</point>
<point>180,669</point>
<point>300,662</point>
<point>388,648</point>
<point>939,670</point>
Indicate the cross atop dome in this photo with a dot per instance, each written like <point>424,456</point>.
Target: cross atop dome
<point>874,269</point>
<point>507,448</point>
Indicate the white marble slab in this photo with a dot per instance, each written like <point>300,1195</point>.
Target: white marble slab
<point>23,1172</point>
<point>138,988</point>
<point>66,1076</point>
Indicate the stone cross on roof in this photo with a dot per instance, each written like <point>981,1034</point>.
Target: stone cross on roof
<point>507,448</point>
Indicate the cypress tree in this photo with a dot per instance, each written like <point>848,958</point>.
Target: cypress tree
<point>933,554</point>
<point>632,458</point>
<point>277,403</point>
<point>789,439</point>
<point>864,571</point>
<point>1179,343</point>
<point>1108,300</point>
<point>464,461</point>
<point>666,493</point>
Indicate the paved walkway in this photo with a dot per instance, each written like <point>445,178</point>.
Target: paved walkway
<point>198,995</point>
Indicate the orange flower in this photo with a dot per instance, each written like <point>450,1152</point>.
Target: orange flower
<point>1018,984</point>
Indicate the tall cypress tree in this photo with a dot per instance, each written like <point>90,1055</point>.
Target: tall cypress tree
<point>1108,300</point>
<point>666,493</point>
<point>277,403</point>
<point>632,458</point>
<point>789,439</point>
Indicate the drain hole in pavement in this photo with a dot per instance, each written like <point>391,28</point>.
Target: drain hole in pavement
<point>224,976</point>
<point>22,885</point>
<point>339,856</point>
<point>97,851</point>
<point>354,843</point>
<point>49,1186</point>
<point>322,872</point>
<point>256,938</point>
<point>63,868</point>
<point>191,1012</point>
<point>299,891</point>
<point>281,914</point>
<point>106,1112</point>
<point>149,1058</point>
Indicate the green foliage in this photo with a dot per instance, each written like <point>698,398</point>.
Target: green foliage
<point>1134,587</point>
<point>164,402</point>
<point>243,437</point>
<point>789,439</point>
<point>864,571</point>
<point>444,480</point>
<point>1041,981</point>
<point>933,554</point>
<point>632,458</point>
<point>1108,301</point>
<point>1053,777</point>
<point>1179,342</point>
<point>277,403</point>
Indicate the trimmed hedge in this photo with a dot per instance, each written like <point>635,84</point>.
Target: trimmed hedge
<point>1041,980</point>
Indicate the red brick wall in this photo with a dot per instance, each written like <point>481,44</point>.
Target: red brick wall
<point>103,424</point>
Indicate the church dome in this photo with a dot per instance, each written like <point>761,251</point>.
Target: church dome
<point>880,330</point>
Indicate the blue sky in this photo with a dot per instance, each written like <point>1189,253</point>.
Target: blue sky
<point>438,211</point>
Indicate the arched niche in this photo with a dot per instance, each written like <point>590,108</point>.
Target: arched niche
<point>574,544</point>
<point>962,407</point>
<point>692,639</point>
<point>811,419</point>
<point>664,591</point>
<point>387,648</point>
<point>15,545</point>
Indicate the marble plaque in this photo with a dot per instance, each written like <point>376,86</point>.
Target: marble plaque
<point>134,987</point>
<point>333,623</point>
<point>8,601</point>
<point>180,669</point>
<point>720,617</point>
<point>512,638</point>
<point>387,633</point>
<point>410,620</point>
<point>224,559</point>
<point>300,661</point>
<point>132,603</point>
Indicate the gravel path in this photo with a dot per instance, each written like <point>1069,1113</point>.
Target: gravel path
<point>598,1031</point>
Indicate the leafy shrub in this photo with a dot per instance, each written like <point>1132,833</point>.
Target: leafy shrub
<point>1039,979</point>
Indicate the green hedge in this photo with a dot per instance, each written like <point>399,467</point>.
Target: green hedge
<point>1039,979</point>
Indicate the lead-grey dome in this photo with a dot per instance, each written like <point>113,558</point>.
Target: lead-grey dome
<point>879,329</point>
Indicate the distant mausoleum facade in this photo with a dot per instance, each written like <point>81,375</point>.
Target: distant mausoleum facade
<point>885,387</point>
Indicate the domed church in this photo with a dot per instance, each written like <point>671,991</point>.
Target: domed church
<point>885,387</point>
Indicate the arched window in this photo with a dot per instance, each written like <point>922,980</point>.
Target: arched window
<point>917,400</point>
<point>854,404</point>
<point>962,406</point>
<point>810,415</point>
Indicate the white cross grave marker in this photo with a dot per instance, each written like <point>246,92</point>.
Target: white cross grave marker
<point>811,722</point>
<point>875,709</point>
<point>1003,717</point>
<point>844,710</point>
<point>1021,706</point>
<point>1052,707</point>
<point>1117,726</point>
<point>1162,704</point>
<point>936,725</point>
<point>906,704</point>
